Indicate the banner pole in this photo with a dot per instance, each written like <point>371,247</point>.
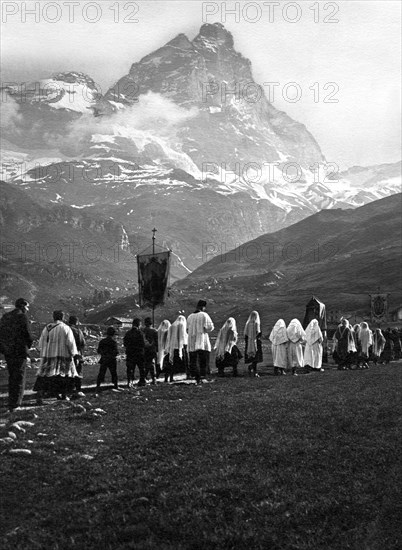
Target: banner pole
<point>154,230</point>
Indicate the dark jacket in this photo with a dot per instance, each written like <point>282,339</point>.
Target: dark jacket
<point>257,358</point>
<point>229,359</point>
<point>79,338</point>
<point>151,342</point>
<point>134,342</point>
<point>15,336</point>
<point>108,350</point>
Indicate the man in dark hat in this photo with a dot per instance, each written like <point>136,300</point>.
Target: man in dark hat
<point>134,342</point>
<point>199,324</point>
<point>15,341</point>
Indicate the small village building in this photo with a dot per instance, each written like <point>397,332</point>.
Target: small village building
<point>119,322</point>
<point>396,314</point>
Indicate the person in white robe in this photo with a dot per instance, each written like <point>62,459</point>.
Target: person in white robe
<point>297,338</point>
<point>199,324</point>
<point>366,341</point>
<point>313,349</point>
<point>162,331</point>
<point>279,340</point>
<point>177,349</point>
<point>57,350</point>
<point>378,345</point>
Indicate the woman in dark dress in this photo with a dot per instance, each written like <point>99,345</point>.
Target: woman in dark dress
<point>228,354</point>
<point>252,337</point>
<point>176,360</point>
<point>345,345</point>
<point>388,353</point>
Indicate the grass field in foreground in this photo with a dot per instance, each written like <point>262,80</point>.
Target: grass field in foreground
<point>308,462</point>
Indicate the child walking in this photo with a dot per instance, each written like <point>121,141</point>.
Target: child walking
<point>108,351</point>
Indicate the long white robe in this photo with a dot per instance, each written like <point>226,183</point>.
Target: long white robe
<point>279,341</point>
<point>295,354</point>
<point>57,348</point>
<point>177,337</point>
<point>163,330</point>
<point>296,337</point>
<point>313,350</point>
<point>280,355</point>
<point>366,339</point>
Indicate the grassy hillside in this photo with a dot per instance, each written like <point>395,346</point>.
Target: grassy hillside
<point>307,463</point>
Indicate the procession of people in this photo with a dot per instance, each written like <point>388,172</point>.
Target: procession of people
<point>182,346</point>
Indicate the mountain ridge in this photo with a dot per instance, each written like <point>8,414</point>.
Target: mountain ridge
<point>183,153</point>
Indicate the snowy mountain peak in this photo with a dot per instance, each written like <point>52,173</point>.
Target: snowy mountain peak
<point>73,91</point>
<point>214,34</point>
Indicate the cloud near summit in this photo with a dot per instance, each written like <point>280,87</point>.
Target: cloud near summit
<point>153,116</point>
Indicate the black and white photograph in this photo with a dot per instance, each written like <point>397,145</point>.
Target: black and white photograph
<point>200,275</point>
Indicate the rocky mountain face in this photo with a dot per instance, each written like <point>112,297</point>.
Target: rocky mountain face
<point>186,142</point>
<point>57,255</point>
<point>234,124</point>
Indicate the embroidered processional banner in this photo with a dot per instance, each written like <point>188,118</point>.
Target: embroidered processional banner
<point>379,307</point>
<point>153,277</point>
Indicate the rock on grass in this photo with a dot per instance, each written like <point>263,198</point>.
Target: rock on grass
<point>20,452</point>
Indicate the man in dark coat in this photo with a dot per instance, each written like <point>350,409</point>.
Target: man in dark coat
<point>151,348</point>
<point>15,341</point>
<point>108,351</point>
<point>134,342</point>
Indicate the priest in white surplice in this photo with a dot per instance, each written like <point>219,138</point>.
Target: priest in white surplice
<point>199,324</point>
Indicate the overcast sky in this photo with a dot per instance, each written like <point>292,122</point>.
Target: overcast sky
<point>358,49</point>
